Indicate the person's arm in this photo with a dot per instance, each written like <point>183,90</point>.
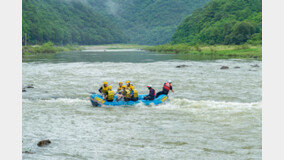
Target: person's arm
<point>100,90</point>
<point>123,94</point>
<point>105,97</point>
<point>152,92</point>
<point>171,88</point>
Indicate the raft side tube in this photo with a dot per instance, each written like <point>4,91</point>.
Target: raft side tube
<point>97,101</point>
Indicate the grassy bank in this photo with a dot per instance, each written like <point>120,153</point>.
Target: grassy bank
<point>226,51</point>
<point>48,47</point>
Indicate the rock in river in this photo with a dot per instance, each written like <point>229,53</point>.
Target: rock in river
<point>182,66</point>
<point>30,86</point>
<point>28,152</point>
<point>43,143</point>
<point>224,67</point>
<point>255,65</point>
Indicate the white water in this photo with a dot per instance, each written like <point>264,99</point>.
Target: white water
<point>213,114</point>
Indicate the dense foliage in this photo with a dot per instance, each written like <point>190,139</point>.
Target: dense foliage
<point>223,22</point>
<point>210,51</point>
<point>147,21</point>
<point>48,47</point>
<point>66,22</point>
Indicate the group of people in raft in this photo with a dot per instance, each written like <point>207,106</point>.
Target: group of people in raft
<point>128,93</point>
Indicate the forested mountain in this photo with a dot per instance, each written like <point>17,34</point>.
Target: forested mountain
<point>222,22</point>
<point>142,21</point>
<point>147,21</point>
<point>67,22</point>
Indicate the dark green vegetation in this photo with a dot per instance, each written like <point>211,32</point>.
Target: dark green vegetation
<point>66,22</point>
<point>213,51</point>
<point>222,28</point>
<point>47,48</point>
<point>104,21</point>
<point>147,21</point>
<point>223,22</point>
<point>227,28</point>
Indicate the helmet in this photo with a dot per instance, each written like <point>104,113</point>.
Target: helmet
<point>120,83</point>
<point>123,86</point>
<point>169,81</point>
<point>127,81</point>
<point>149,86</point>
<point>105,82</point>
<point>109,87</point>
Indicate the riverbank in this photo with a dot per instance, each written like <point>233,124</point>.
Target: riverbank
<point>48,47</point>
<point>114,46</point>
<point>226,51</point>
<point>51,48</point>
<point>221,51</point>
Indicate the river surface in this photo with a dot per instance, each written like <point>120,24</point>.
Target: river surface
<point>213,114</point>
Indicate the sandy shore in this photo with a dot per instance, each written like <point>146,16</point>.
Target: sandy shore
<point>98,47</point>
<point>113,47</point>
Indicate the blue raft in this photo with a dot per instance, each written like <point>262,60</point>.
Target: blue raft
<point>97,100</point>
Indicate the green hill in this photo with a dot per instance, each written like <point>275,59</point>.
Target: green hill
<point>222,22</point>
<point>66,22</point>
<point>148,21</point>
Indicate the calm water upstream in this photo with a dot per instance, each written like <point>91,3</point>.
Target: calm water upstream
<point>213,114</point>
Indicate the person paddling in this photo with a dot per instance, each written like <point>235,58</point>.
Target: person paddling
<point>109,94</point>
<point>128,85</point>
<point>119,90</point>
<point>127,94</point>
<point>121,94</point>
<point>134,94</point>
<point>104,89</point>
<point>166,88</point>
<point>151,94</point>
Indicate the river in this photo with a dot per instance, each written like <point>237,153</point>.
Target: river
<point>213,114</point>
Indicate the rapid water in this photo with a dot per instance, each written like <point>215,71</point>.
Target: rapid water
<point>213,114</point>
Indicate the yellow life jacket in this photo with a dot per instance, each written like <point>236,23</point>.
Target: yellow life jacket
<point>123,92</point>
<point>128,94</point>
<point>105,89</point>
<point>110,95</point>
<point>135,93</point>
<point>129,87</point>
<point>119,89</point>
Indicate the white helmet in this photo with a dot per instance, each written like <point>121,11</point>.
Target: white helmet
<point>169,81</point>
<point>149,86</point>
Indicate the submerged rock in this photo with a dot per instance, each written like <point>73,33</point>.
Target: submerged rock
<point>237,67</point>
<point>251,70</point>
<point>43,143</point>
<point>24,90</point>
<point>182,66</point>
<point>255,65</point>
<point>28,152</point>
<point>224,67</point>
<point>30,86</point>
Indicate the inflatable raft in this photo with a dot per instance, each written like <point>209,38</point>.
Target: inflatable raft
<point>97,100</point>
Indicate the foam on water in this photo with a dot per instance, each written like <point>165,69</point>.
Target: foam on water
<point>213,114</point>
